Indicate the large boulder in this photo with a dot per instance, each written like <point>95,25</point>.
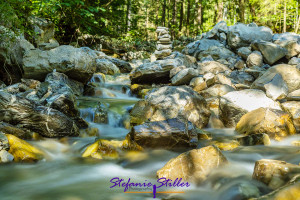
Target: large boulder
<point>234,105</point>
<point>124,66</point>
<point>289,73</point>
<point>59,92</point>
<point>106,67</point>
<point>12,50</point>
<point>167,134</point>
<point>198,46</point>
<point>184,76</point>
<point>289,41</point>
<point>171,102</point>
<point>276,89</point>
<point>216,53</point>
<point>194,165</point>
<point>275,123</point>
<point>271,52</point>
<point>159,71</point>
<point>217,30</point>
<point>241,35</point>
<point>77,63</point>
<point>32,116</point>
<point>274,173</point>
<point>293,107</point>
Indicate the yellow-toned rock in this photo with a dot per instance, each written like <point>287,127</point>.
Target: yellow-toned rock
<point>226,146</point>
<point>102,149</point>
<point>193,166</point>
<point>275,123</point>
<point>105,149</point>
<point>293,107</point>
<point>274,173</point>
<point>22,150</point>
<point>290,193</point>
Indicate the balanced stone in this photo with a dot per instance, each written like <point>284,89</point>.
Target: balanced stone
<point>164,43</point>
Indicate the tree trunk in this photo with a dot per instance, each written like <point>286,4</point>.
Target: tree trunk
<point>252,11</point>
<point>188,17</point>
<point>284,18</point>
<point>157,13</point>
<point>173,19</point>
<point>242,11</point>
<point>181,15</point>
<point>128,15</point>
<point>199,17</point>
<point>220,11</point>
<point>163,19</point>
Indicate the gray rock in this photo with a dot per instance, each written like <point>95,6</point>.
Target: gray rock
<point>216,91</point>
<point>77,63</point>
<point>176,70</point>
<point>240,64</point>
<point>155,72</point>
<point>213,67</point>
<point>32,116</point>
<point>184,76</point>
<point>196,47</point>
<point>198,84</point>
<point>240,77</point>
<point>289,41</point>
<point>209,78</point>
<point>159,71</point>
<point>255,71</point>
<point>162,53</point>
<point>271,52</point>
<point>12,50</point>
<point>3,142</point>
<point>124,66</point>
<point>294,61</point>
<point>160,47</point>
<point>214,32</point>
<point>171,102</point>
<point>290,74</point>
<point>43,29</point>
<point>50,45</point>
<point>106,67</point>
<point>255,59</point>
<point>5,157</point>
<point>234,105</point>
<point>244,52</point>
<point>216,53</point>
<point>223,38</point>
<point>276,89</point>
<point>240,35</point>
<point>59,92</point>
<point>167,134</point>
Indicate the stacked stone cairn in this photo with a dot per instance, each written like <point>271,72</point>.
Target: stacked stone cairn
<point>164,44</point>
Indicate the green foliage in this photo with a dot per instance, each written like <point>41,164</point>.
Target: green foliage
<point>74,18</point>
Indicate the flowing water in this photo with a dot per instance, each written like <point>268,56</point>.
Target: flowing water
<point>65,175</point>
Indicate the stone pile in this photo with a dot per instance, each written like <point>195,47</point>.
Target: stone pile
<point>164,44</point>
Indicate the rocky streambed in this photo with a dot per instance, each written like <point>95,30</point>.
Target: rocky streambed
<point>222,115</point>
